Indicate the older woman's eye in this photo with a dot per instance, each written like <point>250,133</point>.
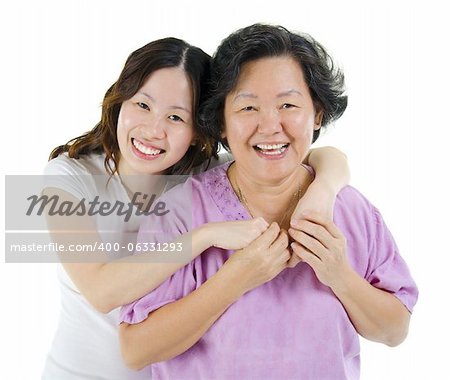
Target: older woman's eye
<point>248,108</point>
<point>176,118</point>
<point>143,106</point>
<point>287,106</point>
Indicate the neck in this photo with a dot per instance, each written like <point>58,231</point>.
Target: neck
<point>275,201</point>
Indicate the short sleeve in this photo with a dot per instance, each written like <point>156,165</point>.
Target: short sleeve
<point>176,287</point>
<point>63,173</point>
<point>387,269</point>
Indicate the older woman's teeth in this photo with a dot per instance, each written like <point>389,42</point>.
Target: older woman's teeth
<point>143,149</point>
<point>272,149</point>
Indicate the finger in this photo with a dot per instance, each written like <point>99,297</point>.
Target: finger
<point>306,256</point>
<point>293,261</point>
<point>317,231</point>
<point>261,221</point>
<point>309,242</point>
<point>333,230</point>
<point>280,243</point>
<point>268,236</point>
<point>283,258</point>
<point>260,224</point>
<point>318,218</point>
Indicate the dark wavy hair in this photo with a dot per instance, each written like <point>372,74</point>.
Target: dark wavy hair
<point>159,54</point>
<point>325,81</point>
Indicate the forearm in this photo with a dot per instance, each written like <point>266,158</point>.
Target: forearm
<point>376,314</point>
<point>174,328</point>
<point>331,167</point>
<point>113,284</point>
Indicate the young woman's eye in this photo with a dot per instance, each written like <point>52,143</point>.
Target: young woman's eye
<point>143,106</point>
<point>176,118</point>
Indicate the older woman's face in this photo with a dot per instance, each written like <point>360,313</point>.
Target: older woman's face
<point>270,117</point>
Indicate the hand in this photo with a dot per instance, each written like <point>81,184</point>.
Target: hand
<point>235,235</point>
<point>319,198</point>
<point>321,244</point>
<point>261,261</point>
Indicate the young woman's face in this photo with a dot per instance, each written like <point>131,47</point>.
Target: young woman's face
<point>270,118</point>
<point>155,126</point>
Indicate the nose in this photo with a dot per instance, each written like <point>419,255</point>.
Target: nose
<point>269,123</point>
<point>155,129</point>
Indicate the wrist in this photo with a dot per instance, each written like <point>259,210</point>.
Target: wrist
<point>202,238</point>
<point>324,185</point>
<point>348,282</point>
<point>231,274</point>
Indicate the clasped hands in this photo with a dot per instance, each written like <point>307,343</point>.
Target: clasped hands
<point>267,250</point>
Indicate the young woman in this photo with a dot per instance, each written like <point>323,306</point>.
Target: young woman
<point>148,127</point>
<point>249,314</point>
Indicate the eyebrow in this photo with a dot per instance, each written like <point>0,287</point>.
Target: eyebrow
<point>174,107</point>
<point>244,95</point>
<point>289,92</point>
<point>249,95</point>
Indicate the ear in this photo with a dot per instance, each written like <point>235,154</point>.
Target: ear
<point>318,120</point>
<point>223,135</point>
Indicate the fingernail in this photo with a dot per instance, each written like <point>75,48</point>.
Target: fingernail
<point>295,222</point>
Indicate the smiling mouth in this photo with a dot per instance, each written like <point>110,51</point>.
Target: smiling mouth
<point>146,150</point>
<point>271,149</point>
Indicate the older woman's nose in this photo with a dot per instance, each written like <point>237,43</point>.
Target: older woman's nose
<point>269,123</point>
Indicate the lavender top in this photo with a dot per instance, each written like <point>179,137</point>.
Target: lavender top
<point>292,326</point>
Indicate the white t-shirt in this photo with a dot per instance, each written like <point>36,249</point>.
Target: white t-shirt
<point>86,343</point>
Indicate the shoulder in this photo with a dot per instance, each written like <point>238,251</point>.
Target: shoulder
<point>200,185</point>
<point>355,215</point>
<point>87,164</point>
<point>197,200</point>
<point>351,201</point>
<point>80,177</point>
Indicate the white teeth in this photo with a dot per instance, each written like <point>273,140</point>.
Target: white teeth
<point>274,152</point>
<point>143,149</point>
<point>270,146</point>
<point>272,149</point>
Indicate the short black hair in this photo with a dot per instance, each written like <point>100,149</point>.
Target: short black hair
<point>324,79</point>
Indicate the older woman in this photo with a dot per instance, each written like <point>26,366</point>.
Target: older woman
<point>253,313</point>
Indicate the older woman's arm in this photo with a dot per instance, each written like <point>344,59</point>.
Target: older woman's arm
<point>175,327</point>
<point>376,314</point>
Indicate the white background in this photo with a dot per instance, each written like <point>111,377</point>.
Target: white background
<point>59,57</point>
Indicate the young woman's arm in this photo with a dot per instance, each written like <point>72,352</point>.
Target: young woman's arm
<point>175,327</point>
<point>109,284</point>
<point>332,174</point>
